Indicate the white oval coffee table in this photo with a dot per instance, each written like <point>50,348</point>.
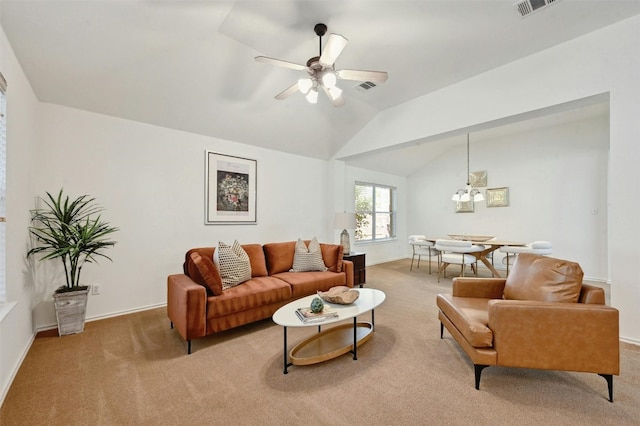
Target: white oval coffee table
<point>332,342</point>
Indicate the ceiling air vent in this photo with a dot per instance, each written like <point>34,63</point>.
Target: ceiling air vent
<point>527,7</point>
<point>365,86</point>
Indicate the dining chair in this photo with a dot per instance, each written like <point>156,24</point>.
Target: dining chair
<point>534,247</point>
<point>422,247</point>
<point>457,252</point>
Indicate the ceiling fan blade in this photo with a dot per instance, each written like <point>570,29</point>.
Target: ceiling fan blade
<point>360,75</point>
<point>337,101</point>
<point>279,63</point>
<point>287,92</point>
<point>332,49</point>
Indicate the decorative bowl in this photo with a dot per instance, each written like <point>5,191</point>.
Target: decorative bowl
<point>471,237</point>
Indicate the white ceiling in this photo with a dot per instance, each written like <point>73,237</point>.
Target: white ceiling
<point>189,65</point>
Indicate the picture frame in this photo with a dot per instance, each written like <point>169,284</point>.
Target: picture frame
<point>464,206</point>
<point>498,197</point>
<point>230,189</point>
<point>478,179</point>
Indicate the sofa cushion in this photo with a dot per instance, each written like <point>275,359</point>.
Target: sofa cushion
<point>202,270</point>
<point>307,257</point>
<point>256,292</point>
<point>306,283</point>
<point>332,256</point>
<point>544,279</point>
<point>279,256</point>
<point>256,258</point>
<point>234,264</point>
<point>470,316</point>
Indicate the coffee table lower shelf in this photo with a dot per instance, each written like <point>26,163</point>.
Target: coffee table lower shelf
<point>330,343</point>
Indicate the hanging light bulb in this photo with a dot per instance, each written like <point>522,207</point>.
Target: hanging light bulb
<point>329,79</point>
<point>468,192</point>
<point>304,85</point>
<point>334,92</point>
<point>312,96</point>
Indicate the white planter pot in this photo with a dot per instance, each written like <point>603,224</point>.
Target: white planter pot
<point>71,310</point>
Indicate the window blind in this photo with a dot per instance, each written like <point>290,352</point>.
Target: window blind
<point>3,187</point>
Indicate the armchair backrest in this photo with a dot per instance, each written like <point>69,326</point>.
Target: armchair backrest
<point>545,279</point>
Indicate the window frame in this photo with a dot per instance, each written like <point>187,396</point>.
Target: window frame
<point>374,212</point>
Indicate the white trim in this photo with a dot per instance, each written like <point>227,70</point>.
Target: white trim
<point>5,308</point>
<point>111,315</point>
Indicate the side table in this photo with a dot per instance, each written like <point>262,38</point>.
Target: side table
<point>359,267</point>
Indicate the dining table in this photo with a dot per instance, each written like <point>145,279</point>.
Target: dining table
<point>490,245</point>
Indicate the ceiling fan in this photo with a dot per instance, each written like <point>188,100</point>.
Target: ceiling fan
<point>322,73</point>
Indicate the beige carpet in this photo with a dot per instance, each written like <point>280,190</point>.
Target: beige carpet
<point>134,370</point>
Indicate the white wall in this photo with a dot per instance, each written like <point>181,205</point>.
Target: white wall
<point>556,172</point>
<point>151,182</point>
<point>605,61</point>
<point>23,114</point>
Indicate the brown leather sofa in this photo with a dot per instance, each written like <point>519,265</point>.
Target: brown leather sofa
<point>197,309</point>
<point>542,316</point>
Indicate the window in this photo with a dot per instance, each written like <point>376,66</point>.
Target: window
<point>3,185</point>
<point>375,212</point>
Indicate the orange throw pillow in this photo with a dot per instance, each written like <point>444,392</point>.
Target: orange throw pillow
<point>202,270</point>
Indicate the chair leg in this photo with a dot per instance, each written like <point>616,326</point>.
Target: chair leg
<point>608,378</point>
<point>478,371</point>
<point>442,270</point>
<point>429,261</point>
<point>419,256</point>
<point>462,270</point>
<point>411,267</point>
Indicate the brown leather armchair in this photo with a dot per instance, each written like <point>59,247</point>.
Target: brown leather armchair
<point>542,316</point>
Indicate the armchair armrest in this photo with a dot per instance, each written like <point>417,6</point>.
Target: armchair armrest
<point>186,306</point>
<point>486,288</point>
<point>555,335</point>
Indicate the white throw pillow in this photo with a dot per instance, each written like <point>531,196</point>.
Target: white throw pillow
<point>233,264</point>
<point>308,258</point>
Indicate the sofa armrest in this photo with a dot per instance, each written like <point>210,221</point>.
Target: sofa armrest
<point>555,335</point>
<point>486,288</point>
<point>187,306</point>
<point>347,267</point>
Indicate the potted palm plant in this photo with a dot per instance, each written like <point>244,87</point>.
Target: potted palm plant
<point>73,232</point>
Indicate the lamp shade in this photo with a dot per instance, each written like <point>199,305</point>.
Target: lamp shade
<point>345,221</point>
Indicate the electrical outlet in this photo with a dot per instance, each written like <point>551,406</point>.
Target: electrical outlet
<point>95,289</point>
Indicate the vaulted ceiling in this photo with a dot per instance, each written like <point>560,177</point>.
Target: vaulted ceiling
<point>189,65</point>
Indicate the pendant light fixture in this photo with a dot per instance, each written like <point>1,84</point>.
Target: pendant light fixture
<point>467,193</point>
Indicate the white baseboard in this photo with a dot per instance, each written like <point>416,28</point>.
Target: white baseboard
<point>105,316</point>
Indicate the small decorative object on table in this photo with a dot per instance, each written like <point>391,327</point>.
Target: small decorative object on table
<point>341,294</point>
<point>316,305</point>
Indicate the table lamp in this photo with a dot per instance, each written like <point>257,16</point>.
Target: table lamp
<point>345,221</point>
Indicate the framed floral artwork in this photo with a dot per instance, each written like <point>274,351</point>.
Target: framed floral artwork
<point>230,189</point>
<point>498,197</point>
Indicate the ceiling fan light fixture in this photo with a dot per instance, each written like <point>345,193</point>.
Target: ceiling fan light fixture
<point>312,96</point>
<point>334,92</point>
<point>322,72</point>
<point>329,79</point>
<point>304,85</point>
